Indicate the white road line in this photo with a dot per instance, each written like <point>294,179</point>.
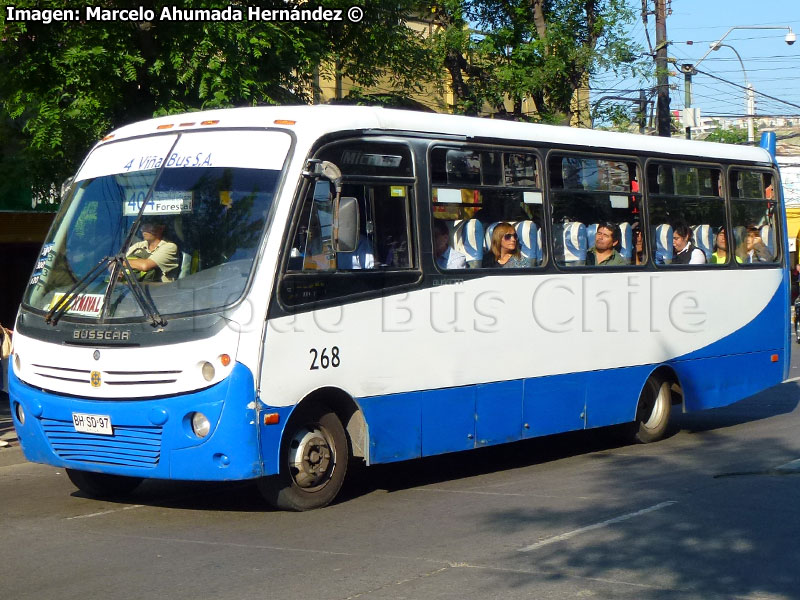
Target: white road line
<point>104,512</point>
<point>571,534</point>
<point>791,380</point>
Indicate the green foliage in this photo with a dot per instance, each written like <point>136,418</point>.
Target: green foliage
<point>728,136</point>
<point>63,85</point>
<point>538,50</point>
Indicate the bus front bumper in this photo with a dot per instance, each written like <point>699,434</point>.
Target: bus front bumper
<point>150,438</point>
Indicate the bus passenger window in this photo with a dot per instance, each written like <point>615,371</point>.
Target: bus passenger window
<point>753,215</point>
<point>687,214</point>
<point>476,191</point>
<point>596,211</point>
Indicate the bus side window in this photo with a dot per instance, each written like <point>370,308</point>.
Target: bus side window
<point>383,237</point>
<point>312,248</point>
<point>687,214</point>
<point>753,214</point>
<point>390,227</point>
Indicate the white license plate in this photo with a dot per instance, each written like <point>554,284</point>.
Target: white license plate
<point>100,424</point>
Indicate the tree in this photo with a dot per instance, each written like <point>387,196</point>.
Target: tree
<point>64,84</point>
<point>541,50</point>
<point>728,136</point>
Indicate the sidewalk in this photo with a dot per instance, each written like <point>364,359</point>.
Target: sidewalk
<point>8,435</point>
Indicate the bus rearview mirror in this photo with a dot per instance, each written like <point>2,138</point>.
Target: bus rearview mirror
<point>347,224</point>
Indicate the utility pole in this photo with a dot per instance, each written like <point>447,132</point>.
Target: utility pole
<point>688,71</point>
<point>662,104</point>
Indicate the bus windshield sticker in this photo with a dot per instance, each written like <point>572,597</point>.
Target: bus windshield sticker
<point>243,149</point>
<point>87,305</point>
<point>162,203</point>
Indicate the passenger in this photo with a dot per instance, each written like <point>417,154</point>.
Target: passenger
<point>753,249</point>
<point>445,256</point>
<point>720,254</point>
<point>684,251</point>
<point>153,259</point>
<point>505,251</point>
<point>604,253</point>
<point>638,244</point>
<point>361,258</point>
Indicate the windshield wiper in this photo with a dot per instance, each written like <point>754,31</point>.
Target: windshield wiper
<point>54,314</point>
<point>118,262</point>
<point>142,299</point>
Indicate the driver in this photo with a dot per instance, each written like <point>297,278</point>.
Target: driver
<point>154,258</point>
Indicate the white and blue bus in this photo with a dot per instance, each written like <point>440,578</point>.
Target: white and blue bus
<point>353,283</point>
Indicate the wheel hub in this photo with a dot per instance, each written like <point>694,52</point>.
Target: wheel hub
<point>310,458</point>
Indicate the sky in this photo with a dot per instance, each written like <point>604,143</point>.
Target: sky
<point>773,67</point>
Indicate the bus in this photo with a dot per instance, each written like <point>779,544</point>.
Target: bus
<point>333,284</point>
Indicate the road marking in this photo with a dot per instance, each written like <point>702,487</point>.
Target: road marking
<point>104,512</point>
<point>791,380</point>
<point>571,534</point>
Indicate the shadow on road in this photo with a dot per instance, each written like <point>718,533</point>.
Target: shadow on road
<point>361,481</point>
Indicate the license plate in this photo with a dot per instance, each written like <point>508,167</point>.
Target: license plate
<point>100,424</point>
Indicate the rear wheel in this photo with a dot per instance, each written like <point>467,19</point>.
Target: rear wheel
<point>313,461</point>
<point>102,485</point>
<point>652,413</point>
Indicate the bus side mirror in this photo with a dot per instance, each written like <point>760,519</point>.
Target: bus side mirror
<point>347,225</point>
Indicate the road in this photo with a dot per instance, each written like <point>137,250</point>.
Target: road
<point>706,513</point>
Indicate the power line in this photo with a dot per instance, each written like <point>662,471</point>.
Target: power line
<point>744,88</point>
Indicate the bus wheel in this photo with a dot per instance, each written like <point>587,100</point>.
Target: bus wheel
<point>313,462</point>
<point>102,485</point>
<point>652,413</point>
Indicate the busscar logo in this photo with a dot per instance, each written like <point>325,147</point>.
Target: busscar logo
<point>102,334</point>
<point>95,379</point>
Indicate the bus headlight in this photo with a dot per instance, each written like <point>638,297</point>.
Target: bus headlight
<point>208,371</point>
<point>17,363</point>
<point>200,424</point>
<point>20,413</point>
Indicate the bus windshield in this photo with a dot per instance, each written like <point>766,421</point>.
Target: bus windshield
<point>194,242</point>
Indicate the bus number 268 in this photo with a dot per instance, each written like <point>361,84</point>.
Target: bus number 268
<point>322,360</point>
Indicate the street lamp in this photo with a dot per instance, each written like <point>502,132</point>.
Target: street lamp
<point>749,95</point>
<point>690,69</point>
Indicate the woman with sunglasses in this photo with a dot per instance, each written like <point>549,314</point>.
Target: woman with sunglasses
<point>504,251</point>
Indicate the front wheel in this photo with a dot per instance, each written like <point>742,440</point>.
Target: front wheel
<point>313,462</point>
<point>652,413</point>
<point>102,485</point>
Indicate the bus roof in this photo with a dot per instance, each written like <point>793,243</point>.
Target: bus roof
<point>319,120</point>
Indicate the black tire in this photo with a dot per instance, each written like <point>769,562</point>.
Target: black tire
<point>102,485</point>
<point>653,410</point>
<point>313,462</point>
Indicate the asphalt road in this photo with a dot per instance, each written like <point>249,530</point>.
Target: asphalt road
<point>710,512</point>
